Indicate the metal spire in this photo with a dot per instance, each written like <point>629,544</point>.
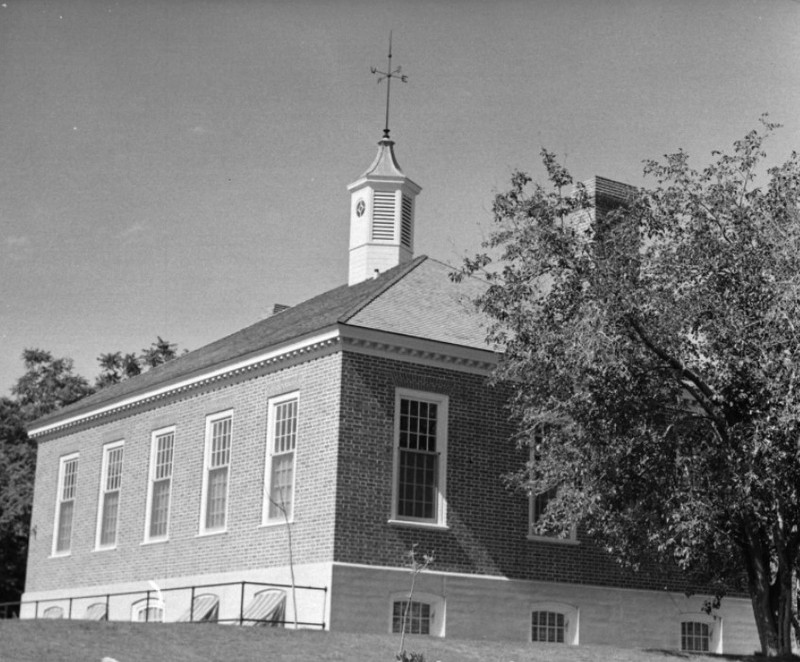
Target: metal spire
<point>388,75</point>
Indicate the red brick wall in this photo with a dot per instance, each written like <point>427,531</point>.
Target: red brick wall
<point>245,544</point>
<point>487,521</point>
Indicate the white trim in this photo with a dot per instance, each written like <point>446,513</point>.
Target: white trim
<point>210,420</point>
<point>62,462</point>
<point>281,352</point>
<point>151,477</point>
<point>107,449</point>
<point>272,404</point>
<point>419,351</point>
<point>442,402</point>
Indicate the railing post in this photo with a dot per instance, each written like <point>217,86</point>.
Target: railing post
<point>241,606</point>
<point>147,607</point>
<point>191,608</point>
<point>108,606</point>
<point>36,611</point>
<point>324,604</point>
<point>69,614</point>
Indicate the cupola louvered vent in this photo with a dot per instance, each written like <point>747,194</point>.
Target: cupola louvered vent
<point>383,215</point>
<point>405,227</point>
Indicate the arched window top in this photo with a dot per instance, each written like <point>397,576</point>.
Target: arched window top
<point>148,611</point>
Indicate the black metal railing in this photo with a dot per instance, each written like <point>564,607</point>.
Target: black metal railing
<point>155,596</point>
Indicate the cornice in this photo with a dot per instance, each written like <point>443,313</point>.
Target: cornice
<point>347,338</point>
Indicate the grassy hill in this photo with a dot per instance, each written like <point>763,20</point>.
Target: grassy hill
<point>84,641</point>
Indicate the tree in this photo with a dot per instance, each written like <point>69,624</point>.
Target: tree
<point>17,466</point>
<point>48,384</point>
<point>654,358</point>
<point>116,366</point>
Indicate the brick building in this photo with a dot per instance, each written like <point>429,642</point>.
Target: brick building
<point>363,417</point>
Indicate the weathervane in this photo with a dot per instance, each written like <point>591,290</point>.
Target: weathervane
<point>388,75</point>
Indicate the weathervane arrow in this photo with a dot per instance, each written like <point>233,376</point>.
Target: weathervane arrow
<point>388,75</point>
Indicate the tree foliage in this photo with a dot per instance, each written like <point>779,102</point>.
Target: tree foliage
<point>654,355</point>
<point>116,366</point>
<point>48,384</point>
<point>17,465</point>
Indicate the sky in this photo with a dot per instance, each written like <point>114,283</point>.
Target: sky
<point>174,168</point>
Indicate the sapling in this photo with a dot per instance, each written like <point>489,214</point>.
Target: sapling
<point>416,564</point>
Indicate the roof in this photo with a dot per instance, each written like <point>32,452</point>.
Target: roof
<point>416,298</point>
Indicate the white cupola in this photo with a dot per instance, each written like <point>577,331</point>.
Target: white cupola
<point>382,205</point>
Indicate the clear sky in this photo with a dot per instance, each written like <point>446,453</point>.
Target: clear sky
<point>176,167</point>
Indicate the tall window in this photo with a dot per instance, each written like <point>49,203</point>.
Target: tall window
<point>215,479</point>
<point>539,502</point>
<point>420,457</point>
<point>695,637</point>
<point>160,489</point>
<point>65,503</point>
<point>281,445</point>
<point>108,513</point>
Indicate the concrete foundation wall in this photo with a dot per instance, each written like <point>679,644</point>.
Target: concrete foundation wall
<point>491,608</point>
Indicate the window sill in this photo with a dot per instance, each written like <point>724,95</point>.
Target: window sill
<point>60,555</point>
<point>157,541</point>
<point>553,540</point>
<point>274,523</point>
<point>209,534</point>
<point>104,549</point>
<point>411,524</point>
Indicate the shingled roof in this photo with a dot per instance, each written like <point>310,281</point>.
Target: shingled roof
<point>415,299</point>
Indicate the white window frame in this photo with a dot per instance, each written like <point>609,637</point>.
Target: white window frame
<point>152,479</point>
<point>62,465</point>
<point>107,450</point>
<point>210,421</point>
<point>438,611</point>
<point>272,407</point>
<point>571,615</point>
<point>714,624</point>
<point>439,520</point>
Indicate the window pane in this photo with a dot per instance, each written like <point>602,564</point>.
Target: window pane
<point>220,442</point>
<point>216,497</point>
<point>159,512</point>
<point>108,528</point>
<point>695,636</point>
<point>417,484</point>
<point>64,526</point>
<point>281,485</point>
<point>163,460</point>
<point>114,469</point>
<point>70,480</point>
<point>548,626</point>
<point>417,617</point>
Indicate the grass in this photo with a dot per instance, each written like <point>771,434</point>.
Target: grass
<point>85,641</point>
